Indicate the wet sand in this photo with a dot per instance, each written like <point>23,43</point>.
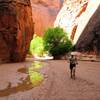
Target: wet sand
<point>56,85</point>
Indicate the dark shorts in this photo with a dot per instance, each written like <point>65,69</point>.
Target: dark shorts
<point>72,65</point>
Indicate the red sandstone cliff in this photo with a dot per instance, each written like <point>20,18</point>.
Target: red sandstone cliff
<point>44,14</point>
<point>16,29</point>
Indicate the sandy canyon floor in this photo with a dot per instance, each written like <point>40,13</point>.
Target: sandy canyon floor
<point>57,85</point>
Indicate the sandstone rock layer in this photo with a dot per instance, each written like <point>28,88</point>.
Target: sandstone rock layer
<point>69,15</point>
<point>44,14</point>
<point>89,39</point>
<point>81,20</point>
<point>16,29</point>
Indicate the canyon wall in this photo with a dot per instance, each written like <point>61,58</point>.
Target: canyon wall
<point>80,19</point>
<point>44,14</point>
<point>89,39</point>
<point>16,29</point>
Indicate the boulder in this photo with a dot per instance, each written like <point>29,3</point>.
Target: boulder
<point>16,29</point>
<point>44,14</point>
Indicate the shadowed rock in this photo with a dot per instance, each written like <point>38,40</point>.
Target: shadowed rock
<point>16,29</point>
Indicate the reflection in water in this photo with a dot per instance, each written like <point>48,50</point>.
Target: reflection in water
<point>33,79</point>
<point>35,76</point>
<point>37,65</point>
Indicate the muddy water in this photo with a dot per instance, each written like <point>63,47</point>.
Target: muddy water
<point>34,78</point>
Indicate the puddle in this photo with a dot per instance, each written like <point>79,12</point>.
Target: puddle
<point>36,78</point>
<point>33,79</point>
<point>22,70</point>
<point>34,74</point>
<point>26,85</point>
<point>37,65</point>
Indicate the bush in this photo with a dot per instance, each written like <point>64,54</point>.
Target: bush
<point>56,41</point>
<point>37,46</point>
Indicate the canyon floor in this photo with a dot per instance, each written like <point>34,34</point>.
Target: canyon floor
<point>56,85</point>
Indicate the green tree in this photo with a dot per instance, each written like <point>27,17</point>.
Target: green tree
<point>57,41</point>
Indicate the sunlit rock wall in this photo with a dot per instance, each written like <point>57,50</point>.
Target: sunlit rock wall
<point>44,14</point>
<point>69,15</point>
<point>78,18</point>
<point>89,39</point>
<point>16,29</point>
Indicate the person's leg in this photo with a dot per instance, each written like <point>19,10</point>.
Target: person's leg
<point>74,72</point>
<point>71,73</point>
<point>71,70</point>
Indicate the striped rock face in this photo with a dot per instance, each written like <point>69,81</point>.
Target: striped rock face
<point>16,29</point>
<point>80,19</point>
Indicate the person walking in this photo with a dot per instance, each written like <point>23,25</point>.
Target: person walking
<point>73,63</point>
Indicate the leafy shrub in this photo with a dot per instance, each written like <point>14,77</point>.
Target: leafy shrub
<point>37,46</point>
<point>57,41</point>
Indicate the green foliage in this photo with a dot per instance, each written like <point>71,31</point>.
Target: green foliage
<point>37,46</point>
<point>56,41</point>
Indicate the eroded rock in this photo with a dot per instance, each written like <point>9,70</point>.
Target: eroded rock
<point>89,40</point>
<point>16,29</point>
<point>80,19</point>
<point>44,14</point>
<point>69,15</point>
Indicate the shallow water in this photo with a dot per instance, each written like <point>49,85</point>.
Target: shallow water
<point>34,78</point>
